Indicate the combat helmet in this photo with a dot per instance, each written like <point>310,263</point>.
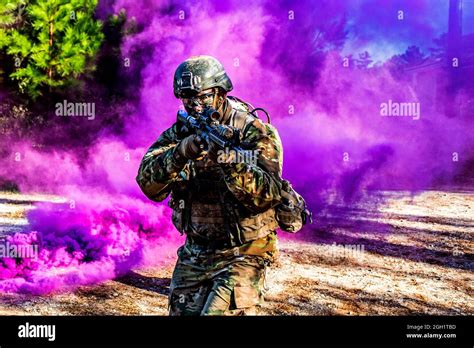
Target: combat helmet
<point>199,73</point>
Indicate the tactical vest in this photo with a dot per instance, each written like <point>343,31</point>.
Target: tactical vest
<point>205,209</point>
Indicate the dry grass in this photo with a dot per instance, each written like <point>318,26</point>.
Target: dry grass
<point>417,258</point>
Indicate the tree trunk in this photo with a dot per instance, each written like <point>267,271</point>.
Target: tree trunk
<point>51,27</point>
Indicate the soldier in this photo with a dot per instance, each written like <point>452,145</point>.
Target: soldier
<point>225,207</point>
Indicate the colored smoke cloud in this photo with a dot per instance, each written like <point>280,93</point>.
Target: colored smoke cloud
<point>100,238</point>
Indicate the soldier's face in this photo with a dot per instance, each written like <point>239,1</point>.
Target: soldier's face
<point>201,101</point>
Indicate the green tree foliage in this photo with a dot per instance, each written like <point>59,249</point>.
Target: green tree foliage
<point>51,42</point>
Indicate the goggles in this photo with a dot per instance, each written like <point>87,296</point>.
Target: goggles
<point>205,100</point>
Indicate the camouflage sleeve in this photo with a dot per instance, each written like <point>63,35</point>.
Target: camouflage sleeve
<point>254,184</point>
<point>160,166</point>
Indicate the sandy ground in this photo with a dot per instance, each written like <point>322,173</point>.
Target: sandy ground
<point>411,256</point>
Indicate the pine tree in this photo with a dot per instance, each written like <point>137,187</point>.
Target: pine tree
<point>52,42</point>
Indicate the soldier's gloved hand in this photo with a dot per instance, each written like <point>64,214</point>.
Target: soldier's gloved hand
<point>190,147</point>
<point>218,154</point>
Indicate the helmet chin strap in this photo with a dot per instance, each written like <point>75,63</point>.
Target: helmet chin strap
<point>215,104</point>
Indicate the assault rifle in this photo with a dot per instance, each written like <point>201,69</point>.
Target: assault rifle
<point>207,126</point>
<point>292,213</point>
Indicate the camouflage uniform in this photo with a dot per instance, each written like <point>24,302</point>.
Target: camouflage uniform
<point>226,212</point>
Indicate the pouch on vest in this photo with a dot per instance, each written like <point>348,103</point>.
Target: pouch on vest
<point>292,213</point>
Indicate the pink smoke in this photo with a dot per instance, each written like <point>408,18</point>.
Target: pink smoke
<point>103,228</point>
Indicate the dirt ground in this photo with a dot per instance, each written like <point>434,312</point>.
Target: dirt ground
<point>411,256</point>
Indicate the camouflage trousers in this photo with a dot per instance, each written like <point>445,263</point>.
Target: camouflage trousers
<point>216,283</point>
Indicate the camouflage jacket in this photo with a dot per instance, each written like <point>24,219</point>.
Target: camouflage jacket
<point>221,206</point>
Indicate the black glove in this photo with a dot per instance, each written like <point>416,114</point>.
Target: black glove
<point>218,154</point>
<point>190,147</point>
